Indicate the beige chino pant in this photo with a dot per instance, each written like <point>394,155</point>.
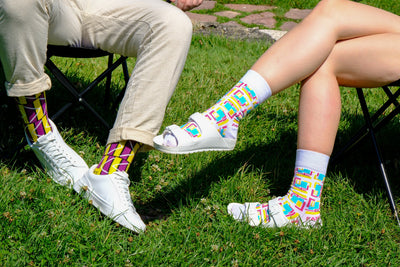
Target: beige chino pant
<point>157,33</point>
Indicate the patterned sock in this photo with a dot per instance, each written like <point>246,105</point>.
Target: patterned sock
<point>117,157</point>
<point>302,203</point>
<point>248,93</point>
<point>34,113</point>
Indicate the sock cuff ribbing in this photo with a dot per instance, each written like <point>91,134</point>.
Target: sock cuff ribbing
<point>312,160</point>
<point>258,84</point>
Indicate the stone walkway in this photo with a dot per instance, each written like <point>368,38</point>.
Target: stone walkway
<point>246,16</point>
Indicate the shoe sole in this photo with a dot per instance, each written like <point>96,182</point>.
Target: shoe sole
<point>215,145</point>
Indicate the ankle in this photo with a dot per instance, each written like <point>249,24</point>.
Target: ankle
<point>299,209</point>
<point>117,157</point>
<point>33,111</point>
<point>227,128</point>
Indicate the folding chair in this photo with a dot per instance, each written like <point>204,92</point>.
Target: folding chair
<point>372,125</point>
<point>78,95</point>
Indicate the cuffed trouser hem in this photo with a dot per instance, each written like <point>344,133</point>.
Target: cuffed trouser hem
<point>144,137</point>
<point>28,89</point>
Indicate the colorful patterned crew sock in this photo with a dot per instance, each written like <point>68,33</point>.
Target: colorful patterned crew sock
<point>248,93</point>
<point>34,113</point>
<point>117,157</point>
<point>302,202</point>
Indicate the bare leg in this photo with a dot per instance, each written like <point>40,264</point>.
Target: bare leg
<point>311,42</point>
<point>368,61</point>
<point>302,55</point>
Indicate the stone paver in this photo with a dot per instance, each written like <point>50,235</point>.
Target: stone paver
<point>248,8</point>
<point>201,17</point>
<point>227,14</point>
<point>274,34</point>
<point>266,19</point>
<point>206,5</point>
<point>288,25</point>
<point>296,13</point>
<point>233,24</point>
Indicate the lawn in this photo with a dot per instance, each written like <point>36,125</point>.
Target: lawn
<point>183,198</point>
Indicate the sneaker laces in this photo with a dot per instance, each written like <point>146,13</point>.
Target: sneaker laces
<point>55,153</point>
<point>123,188</point>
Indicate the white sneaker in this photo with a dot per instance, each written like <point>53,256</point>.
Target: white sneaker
<point>110,194</point>
<point>62,163</point>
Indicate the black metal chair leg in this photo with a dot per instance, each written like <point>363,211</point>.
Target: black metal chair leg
<point>363,131</point>
<point>378,153</point>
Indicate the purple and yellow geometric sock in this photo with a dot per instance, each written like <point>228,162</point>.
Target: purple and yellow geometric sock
<point>34,113</point>
<point>117,157</point>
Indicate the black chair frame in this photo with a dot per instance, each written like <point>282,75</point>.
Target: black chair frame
<point>78,96</point>
<point>372,125</point>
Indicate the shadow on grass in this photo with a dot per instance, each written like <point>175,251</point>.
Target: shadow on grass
<point>361,163</point>
<point>360,166</point>
<point>199,185</point>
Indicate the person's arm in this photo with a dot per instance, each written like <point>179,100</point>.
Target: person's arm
<point>186,5</point>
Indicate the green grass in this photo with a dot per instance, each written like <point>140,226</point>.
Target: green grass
<point>183,198</point>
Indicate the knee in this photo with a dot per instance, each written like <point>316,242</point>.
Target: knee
<point>181,21</point>
<point>176,25</point>
<point>325,72</point>
<point>329,9</point>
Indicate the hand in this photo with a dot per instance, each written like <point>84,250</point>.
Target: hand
<point>186,5</point>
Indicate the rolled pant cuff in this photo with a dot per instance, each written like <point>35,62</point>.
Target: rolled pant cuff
<point>28,89</point>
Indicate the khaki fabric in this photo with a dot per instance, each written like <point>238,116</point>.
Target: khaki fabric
<point>157,33</point>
